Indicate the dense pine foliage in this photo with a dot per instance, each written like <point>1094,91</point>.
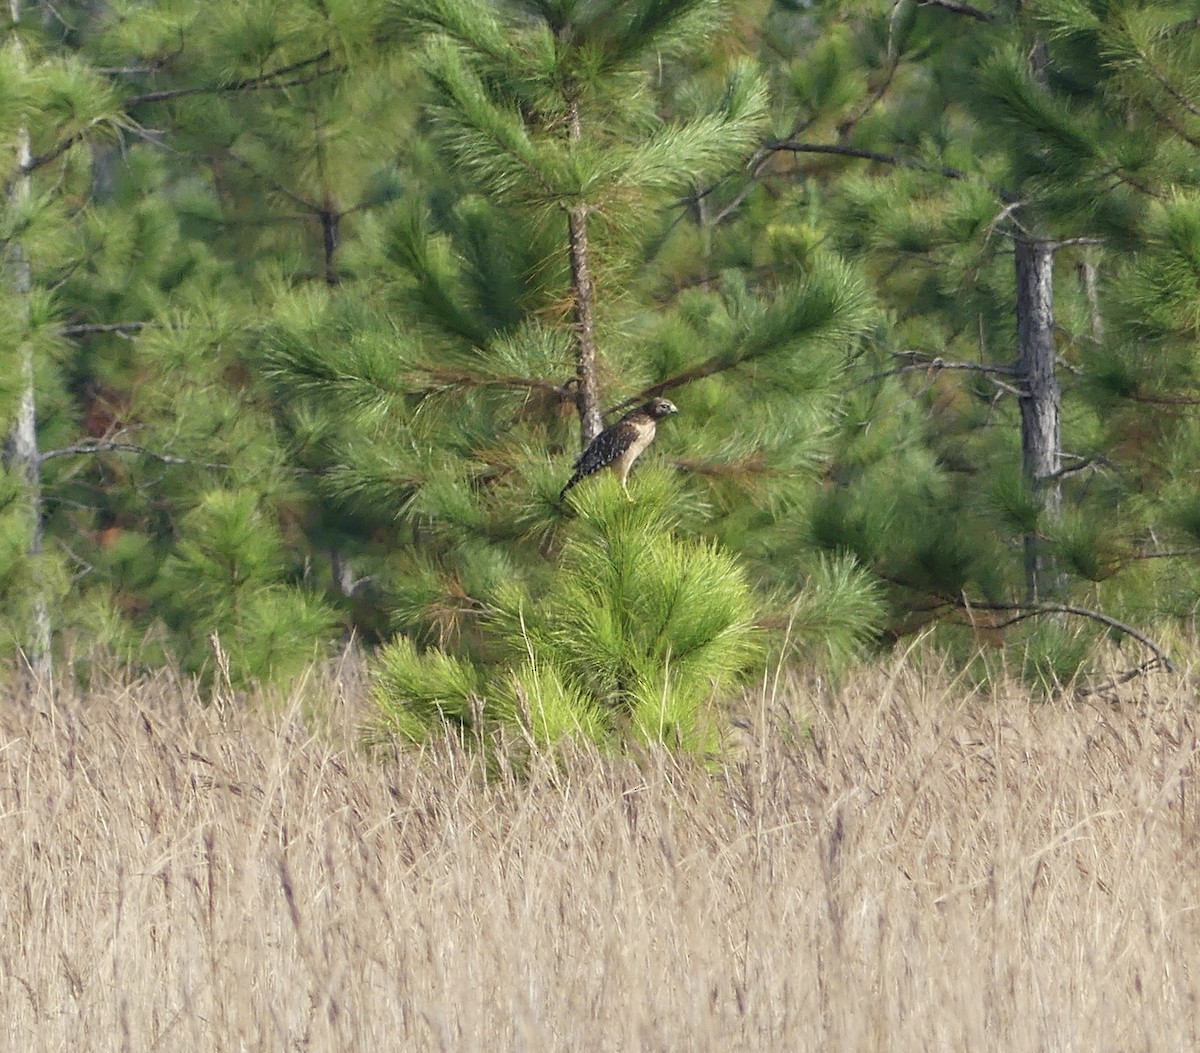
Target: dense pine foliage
<point>307,306</point>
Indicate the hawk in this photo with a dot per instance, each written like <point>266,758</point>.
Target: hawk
<point>622,443</point>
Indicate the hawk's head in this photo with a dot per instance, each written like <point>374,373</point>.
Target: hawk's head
<point>659,408</point>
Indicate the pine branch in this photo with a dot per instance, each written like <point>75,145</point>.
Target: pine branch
<point>269,80</point>
<point>959,9</point>
<point>933,365</point>
<point>842,150</point>
<point>758,165</point>
<point>448,378</point>
<point>55,152</point>
<point>1186,26</point>
<point>754,465</point>
<point>1164,82</point>
<point>1169,119</point>
<point>1022,611</point>
<point>84,329</point>
<point>708,368</point>
<point>291,195</point>
<point>830,305</point>
<point>1123,677</point>
<point>1163,400</point>
<point>264,81</point>
<point>105,446</point>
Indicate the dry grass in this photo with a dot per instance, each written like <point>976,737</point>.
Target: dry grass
<point>933,870</point>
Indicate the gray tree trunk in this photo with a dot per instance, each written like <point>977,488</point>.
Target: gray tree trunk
<point>583,309</point>
<point>1041,435</point>
<point>1089,280</point>
<point>21,450</point>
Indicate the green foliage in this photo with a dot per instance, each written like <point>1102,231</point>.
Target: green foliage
<point>838,613</point>
<point>224,586</point>
<point>301,290</point>
<point>22,578</point>
<point>1054,655</point>
<point>550,708</point>
<point>637,634</point>
<point>418,694</point>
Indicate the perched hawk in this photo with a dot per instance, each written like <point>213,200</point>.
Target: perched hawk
<point>622,443</point>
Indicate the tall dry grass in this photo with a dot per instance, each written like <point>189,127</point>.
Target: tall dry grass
<point>931,870</point>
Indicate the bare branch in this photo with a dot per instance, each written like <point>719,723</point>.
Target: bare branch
<point>1124,677</point>
<point>448,378</point>
<point>1054,246</point>
<point>128,71</point>
<point>1084,463</point>
<point>959,9</point>
<point>1177,553</point>
<point>269,80</point>
<point>104,446</point>
<point>708,368</point>
<point>84,329</point>
<point>1021,611</point>
<point>935,365</point>
<point>842,150</point>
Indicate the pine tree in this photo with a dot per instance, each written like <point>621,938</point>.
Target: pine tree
<point>331,334</point>
<point>974,160</point>
<point>432,406</point>
<point>552,113</point>
<point>143,403</point>
<point>634,635</point>
<point>60,99</point>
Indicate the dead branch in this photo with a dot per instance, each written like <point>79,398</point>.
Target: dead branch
<point>1022,611</point>
<point>934,365</point>
<point>707,368</point>
<point>105,446</point>
<point>842,150</point>
<point>959,9</point>
<point>444,379</point>
<point>86,328</point>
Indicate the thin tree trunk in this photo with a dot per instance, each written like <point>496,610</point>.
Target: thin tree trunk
<point>704,223</point>
<point>1041,438</point>
<point>1088,279</point>
<point>583,307</point>
<point>330,239</point>
<point>345,581</point>
<point>21,450</point>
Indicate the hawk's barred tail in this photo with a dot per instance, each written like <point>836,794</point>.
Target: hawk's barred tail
<point>563,493</point>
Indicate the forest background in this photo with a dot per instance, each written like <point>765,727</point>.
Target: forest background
<point>309,306</point>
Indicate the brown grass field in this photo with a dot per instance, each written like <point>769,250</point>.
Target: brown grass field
<point>931,868</point>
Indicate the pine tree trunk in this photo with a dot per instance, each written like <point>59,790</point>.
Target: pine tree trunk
<point>21,452</point>
<point>330,239</point>
<point>1088,279</point>
<point>583,306</point>
<point>1041,438</point>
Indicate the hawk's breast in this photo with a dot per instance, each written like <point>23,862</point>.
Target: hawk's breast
<point>641,434</point>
